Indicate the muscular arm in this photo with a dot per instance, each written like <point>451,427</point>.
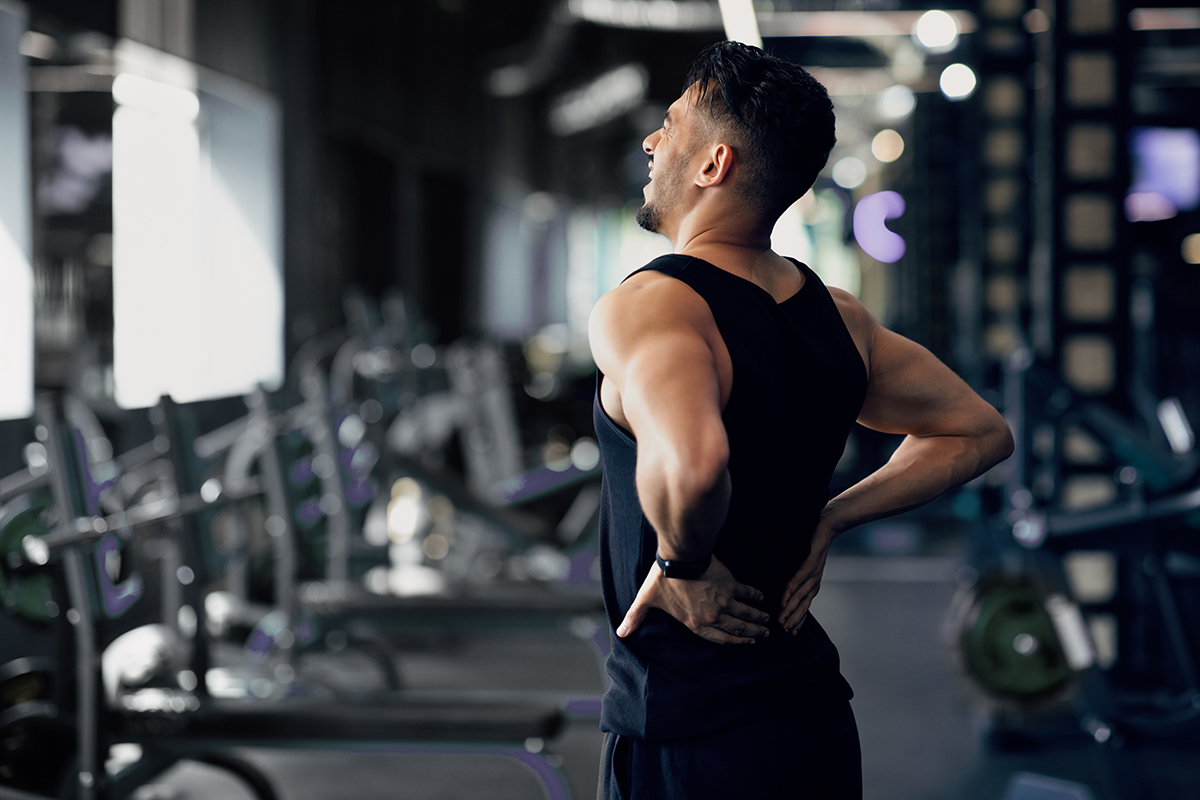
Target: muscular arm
<point>649,340</point>
<point>655,342</point>
<point>952,436</point>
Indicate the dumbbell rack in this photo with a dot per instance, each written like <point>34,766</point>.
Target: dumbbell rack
<point>192,725</point>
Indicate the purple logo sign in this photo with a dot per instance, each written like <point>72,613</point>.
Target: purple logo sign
<point>870,231</point>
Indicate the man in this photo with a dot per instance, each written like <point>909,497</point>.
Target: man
<point>730,379</point>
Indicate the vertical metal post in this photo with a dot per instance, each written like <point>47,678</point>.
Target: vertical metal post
<point>86,698</point>
<point>1042,223</point>
<point>79,614</point>
<point>279,517</point>
<point>236,567</point>
<point>333,490</point>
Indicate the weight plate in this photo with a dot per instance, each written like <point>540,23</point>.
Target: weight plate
<point>25,592</point>
<point>1008,644</point>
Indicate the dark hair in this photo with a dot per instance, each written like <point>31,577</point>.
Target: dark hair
<point>779,119</point>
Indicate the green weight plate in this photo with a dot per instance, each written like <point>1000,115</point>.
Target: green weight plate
<point>32,597</point>
<point>29,594</point>
<point>1009,645</point>
<point>21,517</point>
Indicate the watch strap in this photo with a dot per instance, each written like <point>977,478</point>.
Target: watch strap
<point>684,570</point>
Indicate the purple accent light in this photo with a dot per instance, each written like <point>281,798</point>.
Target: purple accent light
<point>302,472</point>
<point>581,567</point>
<point>309,512</point>
<point>582,707</point>
<point>117,598</point>
<point>546,774</point>
<point>870,231</point>
<point>93,489</point>
<point>359,492</point>
<point>1166,164</point>
<point>552,782</point>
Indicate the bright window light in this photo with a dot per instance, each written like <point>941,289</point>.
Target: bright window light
<point>16,273</point>
<point>666,15</point>
<point>197,286</point>
<point>936,31</point>
<point>159,99</point>
<point>957,82</point>
<point>741,25</point>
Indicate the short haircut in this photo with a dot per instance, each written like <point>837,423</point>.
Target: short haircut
<point>779,120</point>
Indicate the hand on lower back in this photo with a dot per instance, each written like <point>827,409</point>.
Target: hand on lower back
<point>714,606</point>
<point>804,585</point>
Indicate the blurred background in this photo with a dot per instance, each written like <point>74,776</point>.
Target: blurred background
<point>295,391</point>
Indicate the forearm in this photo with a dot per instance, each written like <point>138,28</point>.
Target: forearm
<point>686,515</point>
<point>922,469</point>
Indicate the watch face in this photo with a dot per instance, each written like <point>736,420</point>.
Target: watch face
<point>684,570</point>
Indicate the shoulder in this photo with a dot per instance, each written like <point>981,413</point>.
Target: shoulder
<point>859,321</point>
<point>646,305</point>
<point>650,298</point>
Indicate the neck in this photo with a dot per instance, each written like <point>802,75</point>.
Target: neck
<point>728,240</point>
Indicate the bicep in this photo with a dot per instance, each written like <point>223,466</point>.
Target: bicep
<point>911,392</point>
<point>652,347</point>
<point>670,385</point>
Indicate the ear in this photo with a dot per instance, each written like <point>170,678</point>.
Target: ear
<point>717,166</point>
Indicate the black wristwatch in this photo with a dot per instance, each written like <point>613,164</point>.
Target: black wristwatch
<point>684,570</point>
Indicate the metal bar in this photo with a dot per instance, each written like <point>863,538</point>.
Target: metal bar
<point>21,482</point>
<point>85,673</point>
<point>1176,631</point>
<point>1096,708</point>
<point>237,565</point>
<point>279,519</point>
<point>79,614</point>
<point>86,529</point>
<point>219,440</point>
<point>333,490</point>
<point>142,454</point>
<point>1118,516</point>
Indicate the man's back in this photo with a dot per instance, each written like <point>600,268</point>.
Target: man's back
<point>691,371</point>
<point>797,383</point>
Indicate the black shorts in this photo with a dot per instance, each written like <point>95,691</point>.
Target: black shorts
<point>814,756</point>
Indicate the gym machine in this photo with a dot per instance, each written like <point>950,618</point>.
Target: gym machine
<point>1088,605</point>
<point>59,723</point>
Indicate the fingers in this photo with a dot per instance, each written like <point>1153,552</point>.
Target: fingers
<point>810,569</point>
<point>719,636</point>
<point>743,592</point>
<point>736,610</point>
<point>799,587</point>
<point>633,618</point>
<point>732,630</point>
<point>799,602</point>
<point>739,627</point>
<point>796,610</point>
<point>641,606</point>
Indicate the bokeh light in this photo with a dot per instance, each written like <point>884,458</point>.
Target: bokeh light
<point>896,102</point>
<point>936,31</point>
<point>957,82</point>
<point>849,172</point>
<point>1190,249</point>
<point>887,145</point>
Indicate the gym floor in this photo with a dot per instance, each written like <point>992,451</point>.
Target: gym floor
<point>922,727</point>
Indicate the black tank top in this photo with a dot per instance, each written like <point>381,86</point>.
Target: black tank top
<point>798,385</point>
